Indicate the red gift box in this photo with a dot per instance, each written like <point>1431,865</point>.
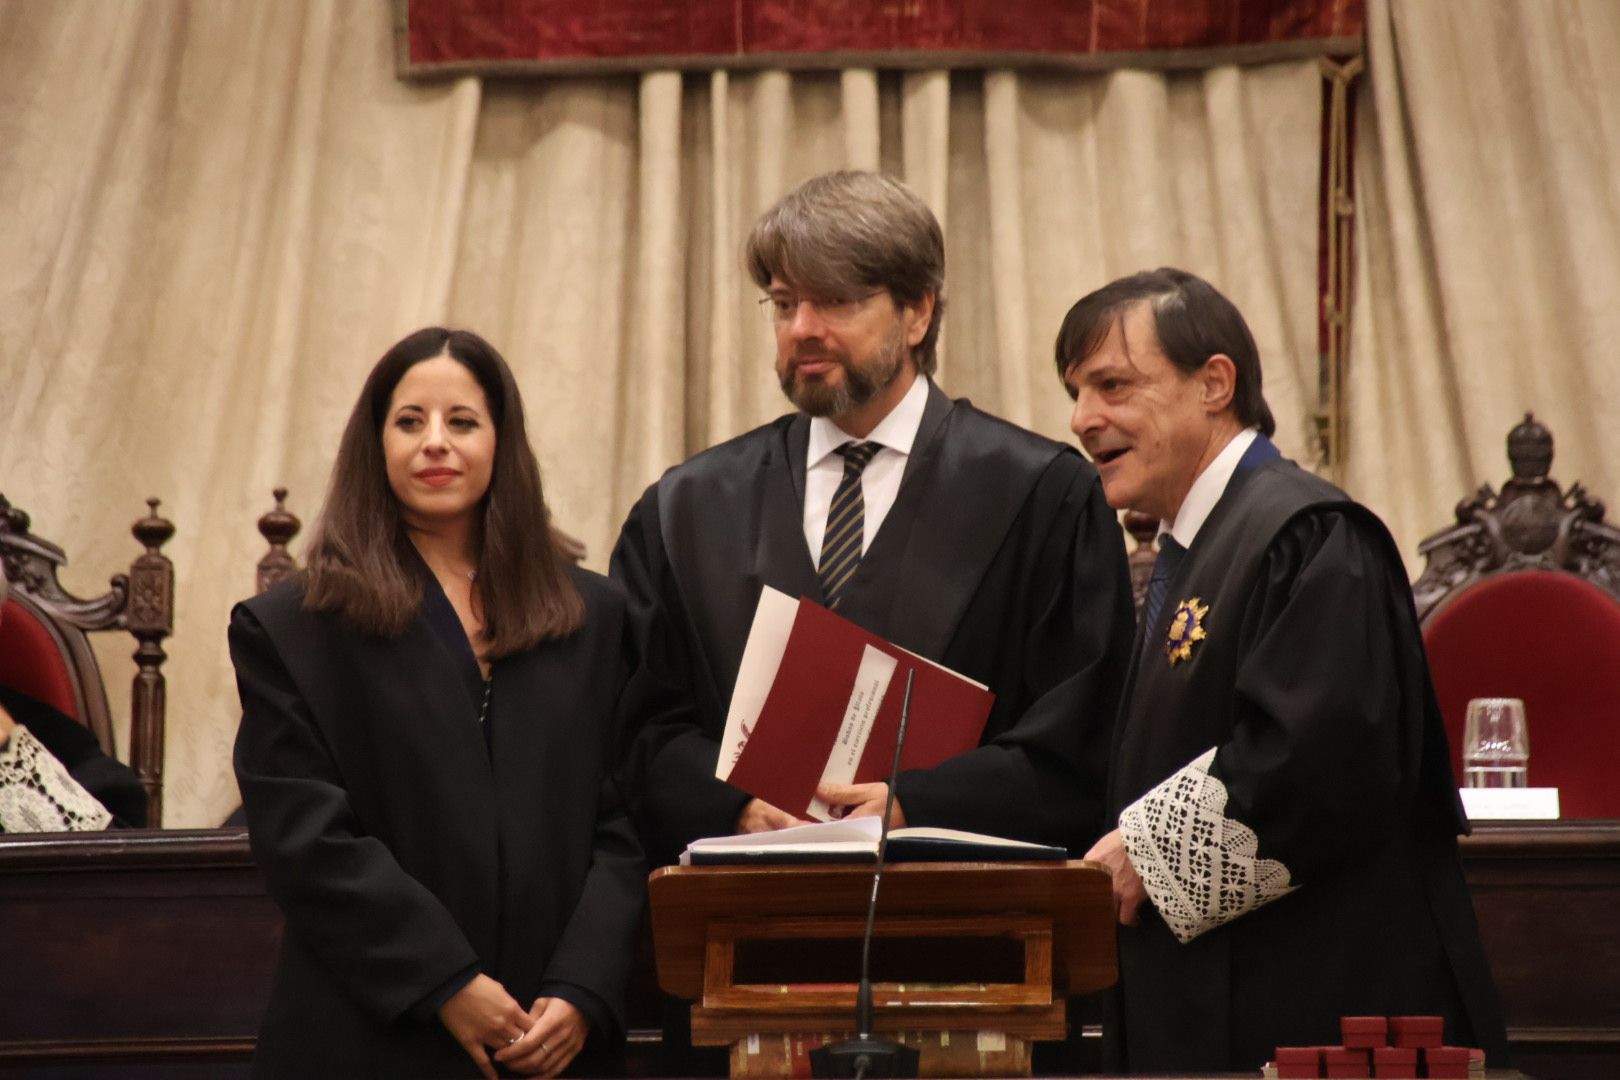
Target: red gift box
<point>1417,1031</point>
<point>1366,1032</point>
<point>1298,1072</point>
<point>1350,1063</point>
<point>1448,1062</point>
<point>1395,1062</point>
<point>1299,1062</point>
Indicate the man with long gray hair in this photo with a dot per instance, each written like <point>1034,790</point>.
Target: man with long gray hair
<point>945,530</point>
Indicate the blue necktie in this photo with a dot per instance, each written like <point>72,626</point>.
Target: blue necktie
<point>1260,451</point>
<point>1164,568</point>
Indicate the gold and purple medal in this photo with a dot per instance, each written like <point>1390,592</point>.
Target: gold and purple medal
<point>1186,630</point>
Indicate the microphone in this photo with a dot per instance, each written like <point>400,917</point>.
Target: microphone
<point>863,1055</point>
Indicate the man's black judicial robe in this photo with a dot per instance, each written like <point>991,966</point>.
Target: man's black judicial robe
<point>1000,559</point>
<point>1312,860</point>
<point>403,848</point>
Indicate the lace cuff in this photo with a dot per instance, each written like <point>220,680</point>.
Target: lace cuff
<point>38,795</point>
<point>1198,865</point>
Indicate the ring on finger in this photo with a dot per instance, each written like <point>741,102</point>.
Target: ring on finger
<point>513,1040</point>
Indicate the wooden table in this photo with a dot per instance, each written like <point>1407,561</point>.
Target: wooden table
<point>148,953</point>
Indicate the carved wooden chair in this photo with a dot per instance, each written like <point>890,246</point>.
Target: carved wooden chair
<point>45,649</point>
<point>1521,598</point>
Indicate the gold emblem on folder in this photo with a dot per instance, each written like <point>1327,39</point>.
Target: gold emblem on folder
<point>1186,629</point>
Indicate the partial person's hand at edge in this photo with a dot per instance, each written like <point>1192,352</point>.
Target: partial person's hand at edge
<point>1129,893</point>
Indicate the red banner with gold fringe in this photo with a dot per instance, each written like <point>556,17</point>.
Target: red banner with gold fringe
<point>453,37</point>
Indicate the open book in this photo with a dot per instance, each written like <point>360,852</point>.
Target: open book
<point>818,698</point>
<point>856,840</point>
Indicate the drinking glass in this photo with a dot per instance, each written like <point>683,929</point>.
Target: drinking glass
<point>1496,744</point>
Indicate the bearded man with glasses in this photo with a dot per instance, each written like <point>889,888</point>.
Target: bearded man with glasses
<point>959,536</point>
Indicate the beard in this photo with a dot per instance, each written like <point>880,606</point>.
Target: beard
<point>862,381</point>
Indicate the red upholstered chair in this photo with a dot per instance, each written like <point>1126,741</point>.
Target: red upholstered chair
<point>35,661</point>
<point>45,651</point>
<point>1521,598</point>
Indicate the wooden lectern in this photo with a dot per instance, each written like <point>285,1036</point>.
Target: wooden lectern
<point>971,962</point>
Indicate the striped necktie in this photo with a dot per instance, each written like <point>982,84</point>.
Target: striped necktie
<point>1164,568</point>
<point>846,525</point>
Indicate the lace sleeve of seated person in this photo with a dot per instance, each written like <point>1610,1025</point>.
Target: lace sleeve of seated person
<point>37,794</point>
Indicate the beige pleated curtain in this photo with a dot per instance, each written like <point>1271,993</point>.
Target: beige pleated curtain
<point>1488,250</point>
<point>215,215</point>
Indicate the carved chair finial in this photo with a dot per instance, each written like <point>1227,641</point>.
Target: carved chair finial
<point>1530,525</point>
<point>278,527</point>
<point>1142,528</point>
<point>153,530</point>
<point>1530,450</point>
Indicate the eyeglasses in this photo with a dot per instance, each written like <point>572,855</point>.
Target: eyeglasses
<point>781,307</point>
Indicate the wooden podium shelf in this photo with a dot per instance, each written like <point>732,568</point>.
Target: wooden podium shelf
<point>966,948</point>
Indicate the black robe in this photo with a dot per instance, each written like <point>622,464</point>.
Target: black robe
<point>403,851</point>
<point>1330,778</point>
<point>999,559</point>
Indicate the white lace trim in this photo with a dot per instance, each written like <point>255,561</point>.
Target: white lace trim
<point>1198,865</point>
<point>38,795</point>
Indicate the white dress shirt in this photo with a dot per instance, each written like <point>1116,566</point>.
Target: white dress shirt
<point>1208,488</point>
<point>880,482</point>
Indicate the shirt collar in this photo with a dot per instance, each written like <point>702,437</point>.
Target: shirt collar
<point>1208,488</point>
<point>897,431</point>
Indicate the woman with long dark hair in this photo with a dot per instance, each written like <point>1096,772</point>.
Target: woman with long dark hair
<point>425,750</point>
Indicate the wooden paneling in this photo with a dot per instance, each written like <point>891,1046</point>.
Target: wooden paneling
<point>150,953</point>
<point>1547,895</point>
<point>133,948</point>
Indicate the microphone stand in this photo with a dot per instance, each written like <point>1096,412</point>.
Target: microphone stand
<point>864,1055</point>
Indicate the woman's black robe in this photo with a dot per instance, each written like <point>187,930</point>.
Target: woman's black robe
<point>407,847</point>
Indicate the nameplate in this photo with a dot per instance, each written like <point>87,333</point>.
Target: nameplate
<point>1510,804</point>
